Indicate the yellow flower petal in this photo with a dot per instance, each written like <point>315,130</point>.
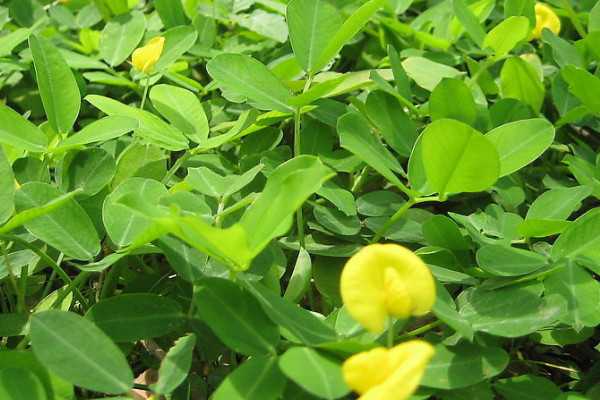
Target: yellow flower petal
<point>144,58</point>
<point>393,374</point>
<point>386,279</point>
<point>544,18</point>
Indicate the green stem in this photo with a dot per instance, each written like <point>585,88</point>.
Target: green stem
<point>420,330</point>
<point>390,332</point>
<point>145,94</point>
<point>70,287</point>
<point>482,68</point>
<point>61,273</point>
<point>574,20</point>
<point>392,220</point>
<point>361,179</point>
<point>180,161</point>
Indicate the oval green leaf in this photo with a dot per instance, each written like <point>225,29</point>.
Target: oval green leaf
<point>79,352</point>
<point>135,316</point>
<point>457,158</point>
<point>19,132</point>
<point>258,378</point>
<point>120,37</point>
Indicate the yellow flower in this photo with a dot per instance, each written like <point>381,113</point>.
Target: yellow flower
<point>386,279</point>
<point>144,58</point>
<point>544,18</point>
<point>382,374</point>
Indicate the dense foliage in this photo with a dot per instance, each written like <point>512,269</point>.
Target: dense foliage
<point>183,181</point>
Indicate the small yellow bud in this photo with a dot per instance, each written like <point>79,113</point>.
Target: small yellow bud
<point>382,374</point>
<point>144,58</point>
<point>544,18</point>
<point>384,280</point>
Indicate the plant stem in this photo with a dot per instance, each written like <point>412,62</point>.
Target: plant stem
<point>420,330</point>
<point>392,220</point>
<point>13,280</point>
<point>574,20</point>
<point>180,161</point>
<point>482,68</point>
<point>61,273</point>
<point>390,332</point>
<point>145,94</point>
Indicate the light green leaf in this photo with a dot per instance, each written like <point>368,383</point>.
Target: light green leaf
<point>310,24</point>
<point>506,35</point>
<point>175,367</point>
<point>79,352</point>
<point>519,143</point>
<point>426,73</point>
<point>100,130</point>
<point>245,75</point>
<point>57,85</point>
<point>120,37</point>
<point>287,188</point>
<point>520,81</point>
<point>349,28</point>
<point>258,378</point>
<point>183,109</point>
<point>7,188</point>
<point>321,374</point>
<point>178,40</point>
<point>558,204</point>
<point>151,128</point>
<point>457,158</point>
<point>355,135</point>
<point>452,98</point>
<point>300,279</point>
<point>67,228</point>
<point>581,240</point>
<point>19,132</point>
<point>509,261</point>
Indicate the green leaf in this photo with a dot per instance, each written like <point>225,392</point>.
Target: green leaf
<point>470,21</point>
<point>506,35</point>
<point>151,128</point>
<point>170,12</point>
<point>558,204</point>
<point>349,28</point>
<point>176,365</point>
<point>13,324</point>
<point>445,309</point>
<point>385,111</point>
<point>100,130</point>
<point>509,261</point>
<point>443,232</point>
<point>355,135</point>
<point>207,182</point>
<point>513,311</point>
<point>520,8</point>
<point>7,188</point>
<point>581,240</point>
<point>287,188</point>
<point>519,143</point>
<point>520,81</point>
<point>585,86</point>
<point>336,221</point>
<point>18,384</point>
<point>258,378</point>
<point>542,227</point>
<point>301,277</point>
<point>299,325</point>
<point>426,73</point>
<point>310,24</point>
<point>465,161</point>
<point>79,352</point>
<point>453,99</point>
<point>463,365</point>
<point>120,37</point>
<point>18,36</point>
<point>527,387</point>
<point>67,228</point>
<point>57,85</point>
<point>316,92</point>
<point>182,108</point>
<point>178,40</point>
<point>564,52</point>
<point>89,170</point>
<point>582,293</point>
<point>19,132</point>
<point>315,372</point>
<point>236,317</point>
<point>134,316</point>
<point>245,75</point>
<point>122,225</point>
<point>140,159</point>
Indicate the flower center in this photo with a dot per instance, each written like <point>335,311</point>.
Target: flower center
<point>397,297</point>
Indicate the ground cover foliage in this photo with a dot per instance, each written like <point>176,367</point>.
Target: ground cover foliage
<point>191,213</point>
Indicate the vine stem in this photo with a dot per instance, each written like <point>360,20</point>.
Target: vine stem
<point>145,91</point>
<point>420,330</point>
<point>393,220</point>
